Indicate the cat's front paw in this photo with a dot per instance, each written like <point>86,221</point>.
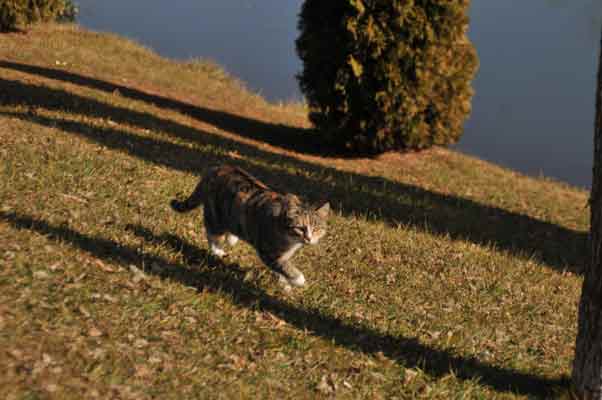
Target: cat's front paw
<point>293,275</point>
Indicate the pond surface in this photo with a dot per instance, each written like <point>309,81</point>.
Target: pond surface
<point>533,110</point>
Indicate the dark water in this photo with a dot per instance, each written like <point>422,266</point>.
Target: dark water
<point>251,39</point>
<point>534,105</point>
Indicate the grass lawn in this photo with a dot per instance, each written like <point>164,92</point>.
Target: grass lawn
<point>442,276</point>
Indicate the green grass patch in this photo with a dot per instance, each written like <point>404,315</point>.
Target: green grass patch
<point>442,276</point>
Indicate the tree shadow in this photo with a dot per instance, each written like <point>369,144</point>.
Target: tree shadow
<point>218,276</point>
<point>278,135</point>
<point>13,29</point>
<point>349,193</point>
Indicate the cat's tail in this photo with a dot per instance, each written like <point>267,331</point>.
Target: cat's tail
<point>193,201</point>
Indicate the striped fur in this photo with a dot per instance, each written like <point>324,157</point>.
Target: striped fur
<point>238,205</point>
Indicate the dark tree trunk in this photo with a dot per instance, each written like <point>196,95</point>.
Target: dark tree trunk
<point>587,366</point>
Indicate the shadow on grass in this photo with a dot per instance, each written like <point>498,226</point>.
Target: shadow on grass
<point>409,353</point>
<point>283,136</point>
<point>350,193</point>
<point>13,30</point>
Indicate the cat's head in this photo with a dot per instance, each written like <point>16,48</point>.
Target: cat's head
<point>306,224</point>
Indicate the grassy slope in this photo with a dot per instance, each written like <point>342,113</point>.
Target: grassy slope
<point>442,276</point>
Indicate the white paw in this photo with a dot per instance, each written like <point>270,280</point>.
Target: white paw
<point>232,240</point>
<point>298,281</point>
<point>216,251</point>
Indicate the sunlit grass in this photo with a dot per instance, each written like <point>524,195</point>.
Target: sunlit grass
<point>442,276</point>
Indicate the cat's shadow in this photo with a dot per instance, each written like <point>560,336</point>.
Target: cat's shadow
<point>192,254</point>
<point>203,270</point>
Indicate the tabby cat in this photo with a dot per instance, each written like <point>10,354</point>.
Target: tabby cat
<point>238,205</point>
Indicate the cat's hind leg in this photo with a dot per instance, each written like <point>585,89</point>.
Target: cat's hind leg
<point>215,237</point>
<point>215,245</point>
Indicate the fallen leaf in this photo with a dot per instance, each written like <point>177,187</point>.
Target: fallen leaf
<point>94,332</point>
<point>238,362</point>
<point>142,371</point>
<point>378,376</point>
<point>135,269</point>
<point>155,360</point>
<point>74,198</point>
<point>46,358</point>
<point>52,387</point>
<point>325,386</point>
<point>56,370</point>
<point>103,266</point>
<point>41,275</point>
<point>109,298</point>
<point>409,375</point>
<point>55,266</point>
<point>18,354</point>
<point>381,356</point>
<point>83,310</point>
<point>98,353</point>
<point>234,154</point>
<point>138,274</point>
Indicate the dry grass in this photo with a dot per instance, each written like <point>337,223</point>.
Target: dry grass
<point>442,276</point>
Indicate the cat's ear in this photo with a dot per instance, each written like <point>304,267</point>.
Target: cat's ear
<point>323,210</point>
